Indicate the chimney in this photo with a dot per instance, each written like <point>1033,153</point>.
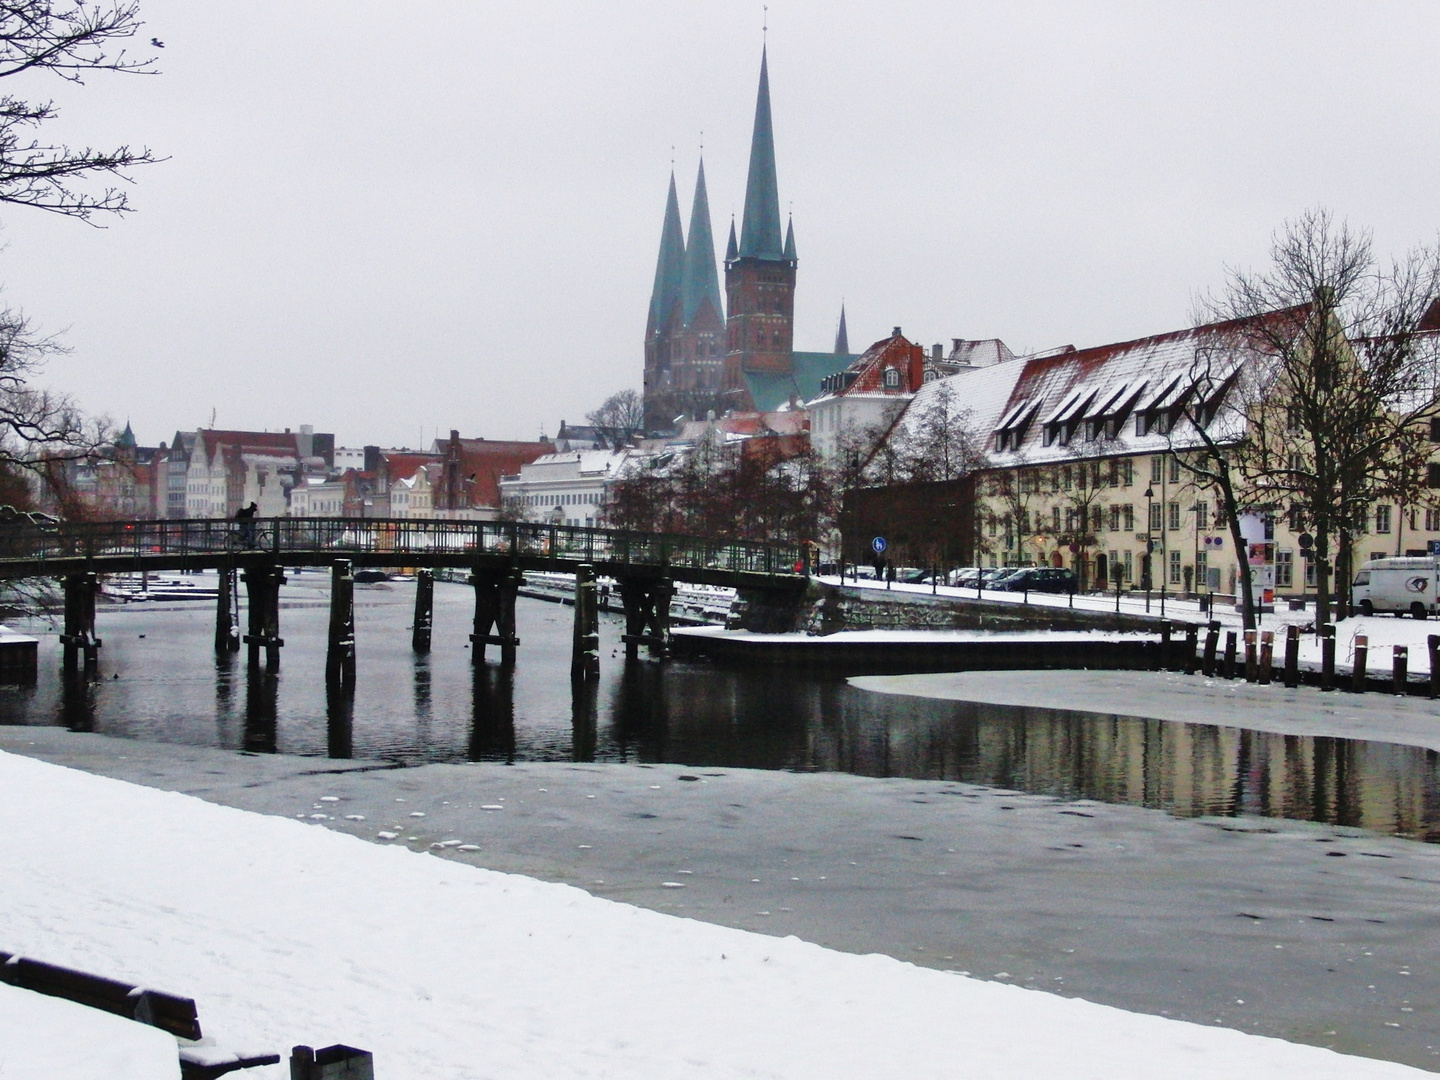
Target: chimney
<point>897,332</point>
<point>937,352</point>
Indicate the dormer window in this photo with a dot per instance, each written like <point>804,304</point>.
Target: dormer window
<point>892,378</point>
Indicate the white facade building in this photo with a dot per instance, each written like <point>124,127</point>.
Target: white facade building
<point>567,489</point>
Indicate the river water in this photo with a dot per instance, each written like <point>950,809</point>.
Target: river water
<point>160,680</point>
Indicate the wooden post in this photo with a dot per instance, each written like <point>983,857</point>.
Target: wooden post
<point>1267,656</point>
<point>1400,671</point>
<point>1165,631</point>
<point>227,629</point>
<point>1192,644</point>
<point>424,611</point>
<point>495,592</point>
<point>1228,671</point>
<point>1292,656</point>
<point>647,616</point>
<point>1433,641</point>
<point>1357,676</point>
<point>585,651</point>
<point>1327,657</point>
<point>1212,642</point>
<point>340,649</point>
<point>660,620</point>
<point>79,640</point>
<point>1252,662</point>
<point>262,587</point>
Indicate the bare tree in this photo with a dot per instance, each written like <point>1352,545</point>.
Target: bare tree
<point>1334,380</point>
<point>620,418</point>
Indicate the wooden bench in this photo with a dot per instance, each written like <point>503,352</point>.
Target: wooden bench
<point>169,1012</point>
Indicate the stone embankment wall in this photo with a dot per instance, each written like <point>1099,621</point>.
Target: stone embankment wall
<point>828,609</point>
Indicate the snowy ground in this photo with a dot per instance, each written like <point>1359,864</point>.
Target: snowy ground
<point>1384,631</point>
<point>285,932</point>
<point>46,1038</point>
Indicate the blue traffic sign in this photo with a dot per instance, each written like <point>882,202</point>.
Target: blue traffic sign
<point>879,545</point>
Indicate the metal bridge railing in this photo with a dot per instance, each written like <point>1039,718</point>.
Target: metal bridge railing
<point>30,543</point>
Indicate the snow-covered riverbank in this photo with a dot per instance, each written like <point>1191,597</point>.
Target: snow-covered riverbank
<point>288,933</point>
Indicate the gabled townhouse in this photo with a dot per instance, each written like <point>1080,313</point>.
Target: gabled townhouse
<point>467,484</point>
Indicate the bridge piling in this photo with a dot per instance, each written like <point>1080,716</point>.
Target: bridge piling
<point>340,650</point>
<point>647,616</point>
<point>495,592</point>
<point>227,628</point>
<point>585,653</point>
<point>79,638</point>
<point>424,611</point>
<point>262,584</point>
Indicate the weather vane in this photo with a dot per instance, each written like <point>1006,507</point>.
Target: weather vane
<point>765,22</point>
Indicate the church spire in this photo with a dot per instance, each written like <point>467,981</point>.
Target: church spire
<point>760,228</point>
<point>670,267</point>
<point>842,336</point>
<point>790,240</point>
<point>699,282</point>
<point>732,250</point>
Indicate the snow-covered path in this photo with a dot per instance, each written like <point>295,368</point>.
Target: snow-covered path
<point>288,933</point>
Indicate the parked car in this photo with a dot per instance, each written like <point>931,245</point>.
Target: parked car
<point>1049,579</point>
<point>965,577</point>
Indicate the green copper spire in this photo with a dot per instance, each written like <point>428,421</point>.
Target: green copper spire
<point>699,281</point>
<point>760,229</point>
<point>790,240</point>
<point>127,438</point>
<point>670,267</point>
<point>732,250</point>
<point>842,335</point>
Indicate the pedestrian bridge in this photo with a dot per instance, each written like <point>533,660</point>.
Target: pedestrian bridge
<point>108,547</point>
<point>496,554</point>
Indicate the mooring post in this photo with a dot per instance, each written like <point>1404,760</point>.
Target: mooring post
<point>1292,656</point>
<point>634,597</point>
<point>424,610</point>
<point>1400,672</point>
<point>509,590</point>
<point>660,620</point>
<point>1267,656</point>
<point>1433,641</point>
<point>585,651</point>
<point>227,637</point>
<point>1212,642</point>
<point>1228,671</point>
<point>1165,632</point>
<point>340,648</point>
<point>1362,650</point>
<point>1327,657</point>
<point>1252,661</point>
<point>1192,648</point>
<point>262,587</point>
<point>79,640</point>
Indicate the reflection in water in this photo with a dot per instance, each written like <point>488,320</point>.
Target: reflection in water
<point>339,720</point>
<point>172,687</point>
<point>492,735</point>
<point>262,696</point>
<point>584,709</point>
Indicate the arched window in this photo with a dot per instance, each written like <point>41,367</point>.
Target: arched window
<point>892,378</point>
<point>931,375</point>
<point>775,338</point>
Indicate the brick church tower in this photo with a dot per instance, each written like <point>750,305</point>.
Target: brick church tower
<point>759,270</point>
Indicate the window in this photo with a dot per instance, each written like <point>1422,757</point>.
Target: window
<point>1127,472</point>
<point>1296,518</point>
<point>1156,512</point>
<point>892,378</point>
<point>1202,515</point>
<point>1202,567</point>
<point>1435,429</point>
<point>1284,568</point>
<point>1176,573</point>
<point>1070,519</point>
<point>1066,480</point>
<point>1174,523</point>
<point>1114,473</point>
<point>1055,518</point>
<point>1129,567</point>
<point>1174,470</point>
<point>1432,475</point>
<point>1292,418</point>
<point>1432,519</point>
<point>1115,519</point>
<point>1382,518</point>
<point>1129,514</point>
<point>1157,469</point>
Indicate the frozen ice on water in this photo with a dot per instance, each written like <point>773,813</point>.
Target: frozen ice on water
<point>448,843</point>
<point>468,847</point>
<point>672,884</point>
<point>329,798</point>
<point>354,817</point>
<point>319,817</point>
<point>387,835</point>
<point>417,813</point>
<point>492,806</point>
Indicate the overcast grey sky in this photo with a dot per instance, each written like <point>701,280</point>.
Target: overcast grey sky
<point>388,219</point>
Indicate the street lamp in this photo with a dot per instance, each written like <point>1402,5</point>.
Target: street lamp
<point>1149,544</point>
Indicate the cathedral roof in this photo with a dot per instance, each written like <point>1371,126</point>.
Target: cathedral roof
<point>760,228</point>
<point>699,282</point>
<point>770,390</point>
<point>670,266</point>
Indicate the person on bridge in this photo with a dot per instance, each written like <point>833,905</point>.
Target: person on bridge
<point>246,516</point>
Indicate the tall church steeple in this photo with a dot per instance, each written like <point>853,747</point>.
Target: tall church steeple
<point>760,276</point>
<point>842,336</point>
<point>667,317</point>
<point>699,282</point>
<point>760,230</point>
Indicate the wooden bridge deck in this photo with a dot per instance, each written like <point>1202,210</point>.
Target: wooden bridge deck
<point>28,550</point>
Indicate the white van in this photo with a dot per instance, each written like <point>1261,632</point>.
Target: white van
<point>1404,586</point>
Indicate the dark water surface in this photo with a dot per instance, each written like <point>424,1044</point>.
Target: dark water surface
<point>160,680</point>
